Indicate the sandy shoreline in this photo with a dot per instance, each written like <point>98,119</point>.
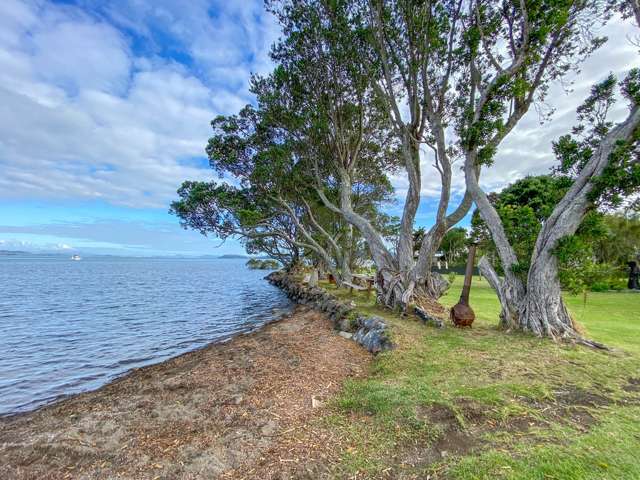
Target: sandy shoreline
<point>239,409</point>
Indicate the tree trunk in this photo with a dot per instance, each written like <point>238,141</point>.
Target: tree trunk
<point>347,253</point>
<point>543,311</point>
<point>390,288</point>
<point>411,151</point>
<point>295,266</point>
<point>401,278</point>
<point>433,283</point>
<point>539,309</point>
<point>509,295</point>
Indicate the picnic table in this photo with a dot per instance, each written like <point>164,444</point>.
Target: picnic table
<point>368,280</point>
<point>353,286</point>
<point>361,282</point>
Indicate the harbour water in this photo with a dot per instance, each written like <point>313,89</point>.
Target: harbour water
<point>71,326</point>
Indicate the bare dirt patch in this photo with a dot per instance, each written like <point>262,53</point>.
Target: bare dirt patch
<point>450,437</point>
<point>633,385</point>
<point>462,429</point>
<point>241,409</point>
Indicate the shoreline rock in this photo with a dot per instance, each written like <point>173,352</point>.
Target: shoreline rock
<point>369,332</point>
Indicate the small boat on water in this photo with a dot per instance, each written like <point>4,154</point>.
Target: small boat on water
<point>76,257</point>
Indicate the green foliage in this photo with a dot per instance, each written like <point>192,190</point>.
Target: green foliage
<point>258,264</point>
<point>454,245</point>
<point>227,208</point>
<point>631,86</point>
<point>620,179</point>
<point>620,242</point>
<point>523,206</point>
<point>578,272</point>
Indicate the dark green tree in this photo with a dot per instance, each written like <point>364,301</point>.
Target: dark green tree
<point>454,77</point>
<point>276,206</point>
<point>620,242</point>
<point>454,246</point>
<point>523,208</point>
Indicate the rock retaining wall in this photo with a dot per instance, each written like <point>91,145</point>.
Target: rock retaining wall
<point>370,332</point>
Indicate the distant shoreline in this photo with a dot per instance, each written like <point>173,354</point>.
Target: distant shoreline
<point>18,253</point>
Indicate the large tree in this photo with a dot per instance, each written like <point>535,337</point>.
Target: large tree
<point>274,207</point>
<point>524,207</point>
<point>263,210</point>
<point>452,76</point>
<point>604,160</point>
<point>325,101</point>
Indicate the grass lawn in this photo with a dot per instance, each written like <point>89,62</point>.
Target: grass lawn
<point>483,404</point>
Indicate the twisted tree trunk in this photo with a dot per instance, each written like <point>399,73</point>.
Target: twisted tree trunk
<point>543,311</point>
<point>538,307</point>
<point>509,297</point>
<point>346,256</point>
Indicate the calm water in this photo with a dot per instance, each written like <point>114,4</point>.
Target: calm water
<point>67,327</point>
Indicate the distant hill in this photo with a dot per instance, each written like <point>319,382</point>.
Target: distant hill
<point>233,256</point>
<point>13,252</point>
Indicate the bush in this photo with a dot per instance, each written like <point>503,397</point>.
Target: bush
<point>600,287</point>
<point>257,264</point>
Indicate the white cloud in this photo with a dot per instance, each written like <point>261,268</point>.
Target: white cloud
<point>227,40</point>
<point>80,54</point>
<point>83,117</point>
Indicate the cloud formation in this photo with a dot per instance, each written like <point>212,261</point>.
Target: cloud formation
<point>93,107</point>
<point>112,237</point>
<point>109,102</point>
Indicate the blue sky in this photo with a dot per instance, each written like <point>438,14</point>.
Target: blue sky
<point>105,109</point>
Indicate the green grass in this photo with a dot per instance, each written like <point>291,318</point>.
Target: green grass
<point>516,407</point>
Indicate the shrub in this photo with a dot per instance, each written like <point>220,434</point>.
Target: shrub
<point>257,264</point>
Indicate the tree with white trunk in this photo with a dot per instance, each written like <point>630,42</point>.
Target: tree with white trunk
<point>603,159</point>
<point>453,77</point>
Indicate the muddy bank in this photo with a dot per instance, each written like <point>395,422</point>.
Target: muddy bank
<point>248,408</point>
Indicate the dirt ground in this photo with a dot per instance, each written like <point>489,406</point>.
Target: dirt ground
<point>248,408</point>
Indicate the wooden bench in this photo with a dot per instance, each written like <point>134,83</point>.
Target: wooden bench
<point>353,286</point>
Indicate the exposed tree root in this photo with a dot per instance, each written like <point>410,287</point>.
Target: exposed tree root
<point>591,343</point>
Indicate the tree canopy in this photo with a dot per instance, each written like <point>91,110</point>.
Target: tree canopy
<point>366,90</point>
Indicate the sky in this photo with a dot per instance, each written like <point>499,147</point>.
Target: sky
<point>105,108</point>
